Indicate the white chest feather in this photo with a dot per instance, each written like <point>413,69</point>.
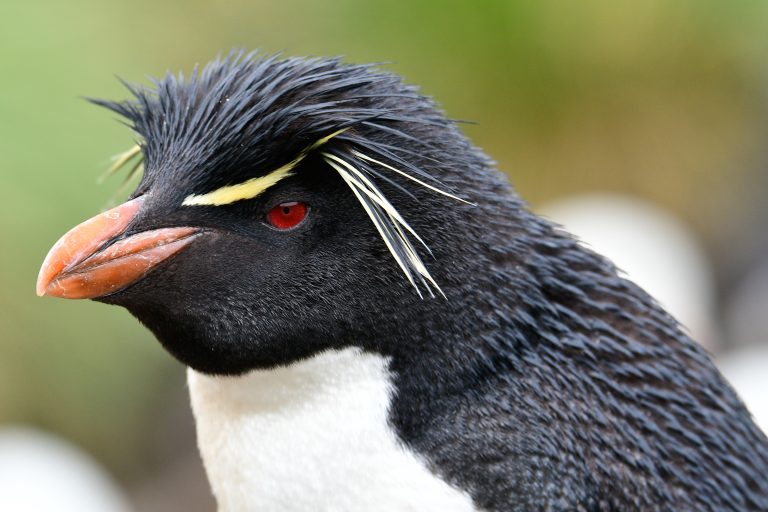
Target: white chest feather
<point>311,437</point>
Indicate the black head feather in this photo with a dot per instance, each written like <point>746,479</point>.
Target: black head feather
<point>282,104</point>
<point>543,381</point>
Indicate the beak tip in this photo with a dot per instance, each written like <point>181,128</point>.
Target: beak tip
<point>43,282</point>
<point>41,291</point>
<point>79,243</point>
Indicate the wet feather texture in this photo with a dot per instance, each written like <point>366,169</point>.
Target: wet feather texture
<point>538,378</point>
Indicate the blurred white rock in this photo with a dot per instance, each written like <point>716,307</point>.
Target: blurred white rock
<point>746,310</point>
<point>747,371</point>
<point>42,473</point>
<point>653,248</point>
<point>746,326</point>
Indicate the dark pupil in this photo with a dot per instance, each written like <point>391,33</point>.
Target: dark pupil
<point>286,210</point>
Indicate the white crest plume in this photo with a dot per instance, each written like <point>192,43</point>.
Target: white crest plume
<point>392,227</point>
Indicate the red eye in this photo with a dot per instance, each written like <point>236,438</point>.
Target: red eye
<point>287,215</point>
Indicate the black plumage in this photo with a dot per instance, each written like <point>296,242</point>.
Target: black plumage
<point>543,380</point>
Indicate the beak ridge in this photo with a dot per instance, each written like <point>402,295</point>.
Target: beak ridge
<point>78,266</point>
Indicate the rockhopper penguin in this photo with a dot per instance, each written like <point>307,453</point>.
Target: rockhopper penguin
<point>374,321</point>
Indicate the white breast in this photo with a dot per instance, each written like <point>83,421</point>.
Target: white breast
<point>312,437</point>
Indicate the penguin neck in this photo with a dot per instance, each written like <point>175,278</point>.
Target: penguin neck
<point>279,439</point>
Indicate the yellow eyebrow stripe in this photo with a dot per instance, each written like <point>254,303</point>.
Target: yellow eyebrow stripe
<point>229,194</point>
<point>246,190</point>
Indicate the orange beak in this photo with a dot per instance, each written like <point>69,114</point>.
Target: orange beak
<point>83,264</point>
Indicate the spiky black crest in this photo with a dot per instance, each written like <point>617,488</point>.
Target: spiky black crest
<point>242,117</point>
<point>281,104</point>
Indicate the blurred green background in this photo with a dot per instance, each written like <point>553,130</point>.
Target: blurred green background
<point>665,100</point>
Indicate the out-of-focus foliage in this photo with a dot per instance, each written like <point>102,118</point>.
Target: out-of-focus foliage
<point>657,98</point>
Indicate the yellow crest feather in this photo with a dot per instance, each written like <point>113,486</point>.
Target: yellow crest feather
<point>229,194</point>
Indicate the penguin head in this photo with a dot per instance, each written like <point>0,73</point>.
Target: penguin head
<point>286,206</point>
